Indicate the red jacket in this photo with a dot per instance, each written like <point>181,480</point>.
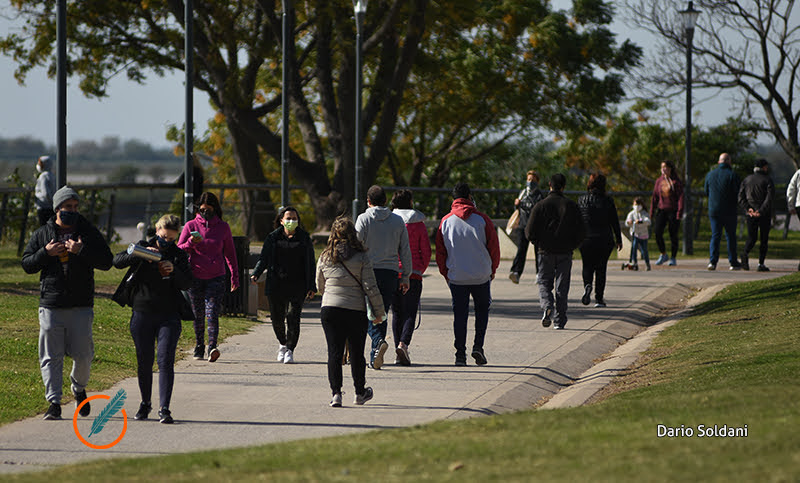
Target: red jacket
<point>418,241</point>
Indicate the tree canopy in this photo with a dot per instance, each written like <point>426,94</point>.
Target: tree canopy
<point>438,76</point>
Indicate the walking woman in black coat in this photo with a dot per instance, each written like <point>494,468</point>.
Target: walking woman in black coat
<point>602,234</point>
<point>155,297</point>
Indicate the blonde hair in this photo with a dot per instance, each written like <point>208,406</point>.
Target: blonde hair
<point>169,222</point>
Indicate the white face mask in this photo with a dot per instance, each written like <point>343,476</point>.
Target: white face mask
<point>637,208</point>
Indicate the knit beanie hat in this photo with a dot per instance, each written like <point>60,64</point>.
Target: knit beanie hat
<point>64,194</point>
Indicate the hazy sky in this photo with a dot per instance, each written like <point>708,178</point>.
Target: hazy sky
<point>133,111</point>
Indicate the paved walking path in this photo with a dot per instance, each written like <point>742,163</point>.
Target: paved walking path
<point>247,398</point>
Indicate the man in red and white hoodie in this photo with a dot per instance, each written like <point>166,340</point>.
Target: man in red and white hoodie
<point>468,253</point>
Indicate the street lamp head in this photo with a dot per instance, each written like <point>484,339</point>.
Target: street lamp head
<point>360,6</point>
<point>689,17</point>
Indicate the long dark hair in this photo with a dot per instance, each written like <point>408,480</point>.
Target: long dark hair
<point>210,199</point>
<point>597,182</point>
<point>673,173</point>
<point>284,209</point>
<point>342,231</point>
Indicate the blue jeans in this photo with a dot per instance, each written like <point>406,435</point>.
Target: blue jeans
<point>718,223</point>
<point>388,283</point>
<point>641,245</point>
<point>482,299</point>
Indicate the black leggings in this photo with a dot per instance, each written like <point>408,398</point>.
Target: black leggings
<point>345,326</point>
<point>284,311</point>
<point>595,253</point>
<point>147,329</point>
<point>664,219</point>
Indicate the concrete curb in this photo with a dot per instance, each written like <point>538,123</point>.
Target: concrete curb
<point>602,374</point>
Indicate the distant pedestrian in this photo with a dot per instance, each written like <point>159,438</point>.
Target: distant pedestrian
<point>405,305</point>
<point>557,228</point>
<point>155,319</point>
<point>722,188</point>
<point>602,234</point>
<point>386,238</point>
<point>666,209</point>
<point>45,188</point>
<point>468,253</point>
<point>756,197</point>
<point>527,198</point>
<point>288,258</point>
<point>66,250</point>
<point>793,197</point>
<point>639,224</point>
<point>208,241</point>
<point>344,277</point>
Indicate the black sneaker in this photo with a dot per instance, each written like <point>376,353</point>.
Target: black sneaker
<point>461,361</point>
<point>547,318</point>
<point>199,352</point>
<point>53,412</point>
<point>165,417</point>
<point>762,268</point>
<point>587,294</point>
<point>213,353</point>
<point>363,397</point>
<point>144,411</point>
<point>744,262</point>
<point>480,358</point>
<point>600,303</point>
<point>79,398</point>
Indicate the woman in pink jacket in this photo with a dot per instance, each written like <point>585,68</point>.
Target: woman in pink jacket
<point>404,306</point>
<point>208,241</point>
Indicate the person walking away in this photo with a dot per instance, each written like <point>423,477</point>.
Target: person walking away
<point>602,235</point>
<point>792,198</point>
<point>527,198</point>
<point>556,227</point>
<point>344,276</point>
<point>666,209</point>
<point>467,254</point>
<point>756,197</point>
<point>405,305</point>
<point>155,320</point>
<point>722,189</point>
<point>44,190</point>
<point>208,241</point>
<point>638,222</point>
<point>66,251</point>
<point>288,258</point>
<point>385,236</point>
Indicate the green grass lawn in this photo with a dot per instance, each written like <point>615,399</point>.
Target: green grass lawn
<point>735,362</point>
<point>115,357</point>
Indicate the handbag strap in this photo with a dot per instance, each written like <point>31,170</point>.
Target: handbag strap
<point>354,278</point>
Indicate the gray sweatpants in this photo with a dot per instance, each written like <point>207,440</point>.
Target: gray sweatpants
<point>65,332</point>
<point>554,270</point>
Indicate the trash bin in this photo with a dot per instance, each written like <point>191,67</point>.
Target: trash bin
<point>236,303</point>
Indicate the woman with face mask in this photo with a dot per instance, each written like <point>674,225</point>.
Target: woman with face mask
<point>155,321</point>
<point>288,258</point>
<point>209,242</point>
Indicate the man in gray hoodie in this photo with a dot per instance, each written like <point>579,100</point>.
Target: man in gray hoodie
<point>45,188</point>
<point>385,236</point>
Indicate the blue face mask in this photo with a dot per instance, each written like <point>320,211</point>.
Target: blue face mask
<point>163,243</point>
<point>69,218</point>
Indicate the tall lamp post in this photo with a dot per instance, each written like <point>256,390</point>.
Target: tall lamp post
<point>188,162</point>
<point>285,107</point>
<point>61,93</point>
<point>360,8</point>
<point>689,17</point>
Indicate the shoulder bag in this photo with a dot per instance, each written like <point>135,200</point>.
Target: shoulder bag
<point>370,313</point>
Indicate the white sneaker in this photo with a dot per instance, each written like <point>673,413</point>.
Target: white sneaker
<point>282,353</point>
<point>336,400</point>
<point>289,357</point>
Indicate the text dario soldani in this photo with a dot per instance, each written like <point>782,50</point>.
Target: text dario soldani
<point>701,431</point>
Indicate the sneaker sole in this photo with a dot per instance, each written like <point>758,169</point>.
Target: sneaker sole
<point>377,363</point>
<point>213,355</point>
<point>547,319</point>
<point>587,296</point>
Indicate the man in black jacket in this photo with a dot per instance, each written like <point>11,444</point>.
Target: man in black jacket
<point>755,197</point>
<point>66,251</point>
<point>556,227</point>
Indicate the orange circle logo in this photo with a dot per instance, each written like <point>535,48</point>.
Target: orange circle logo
<point>98,446</point>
